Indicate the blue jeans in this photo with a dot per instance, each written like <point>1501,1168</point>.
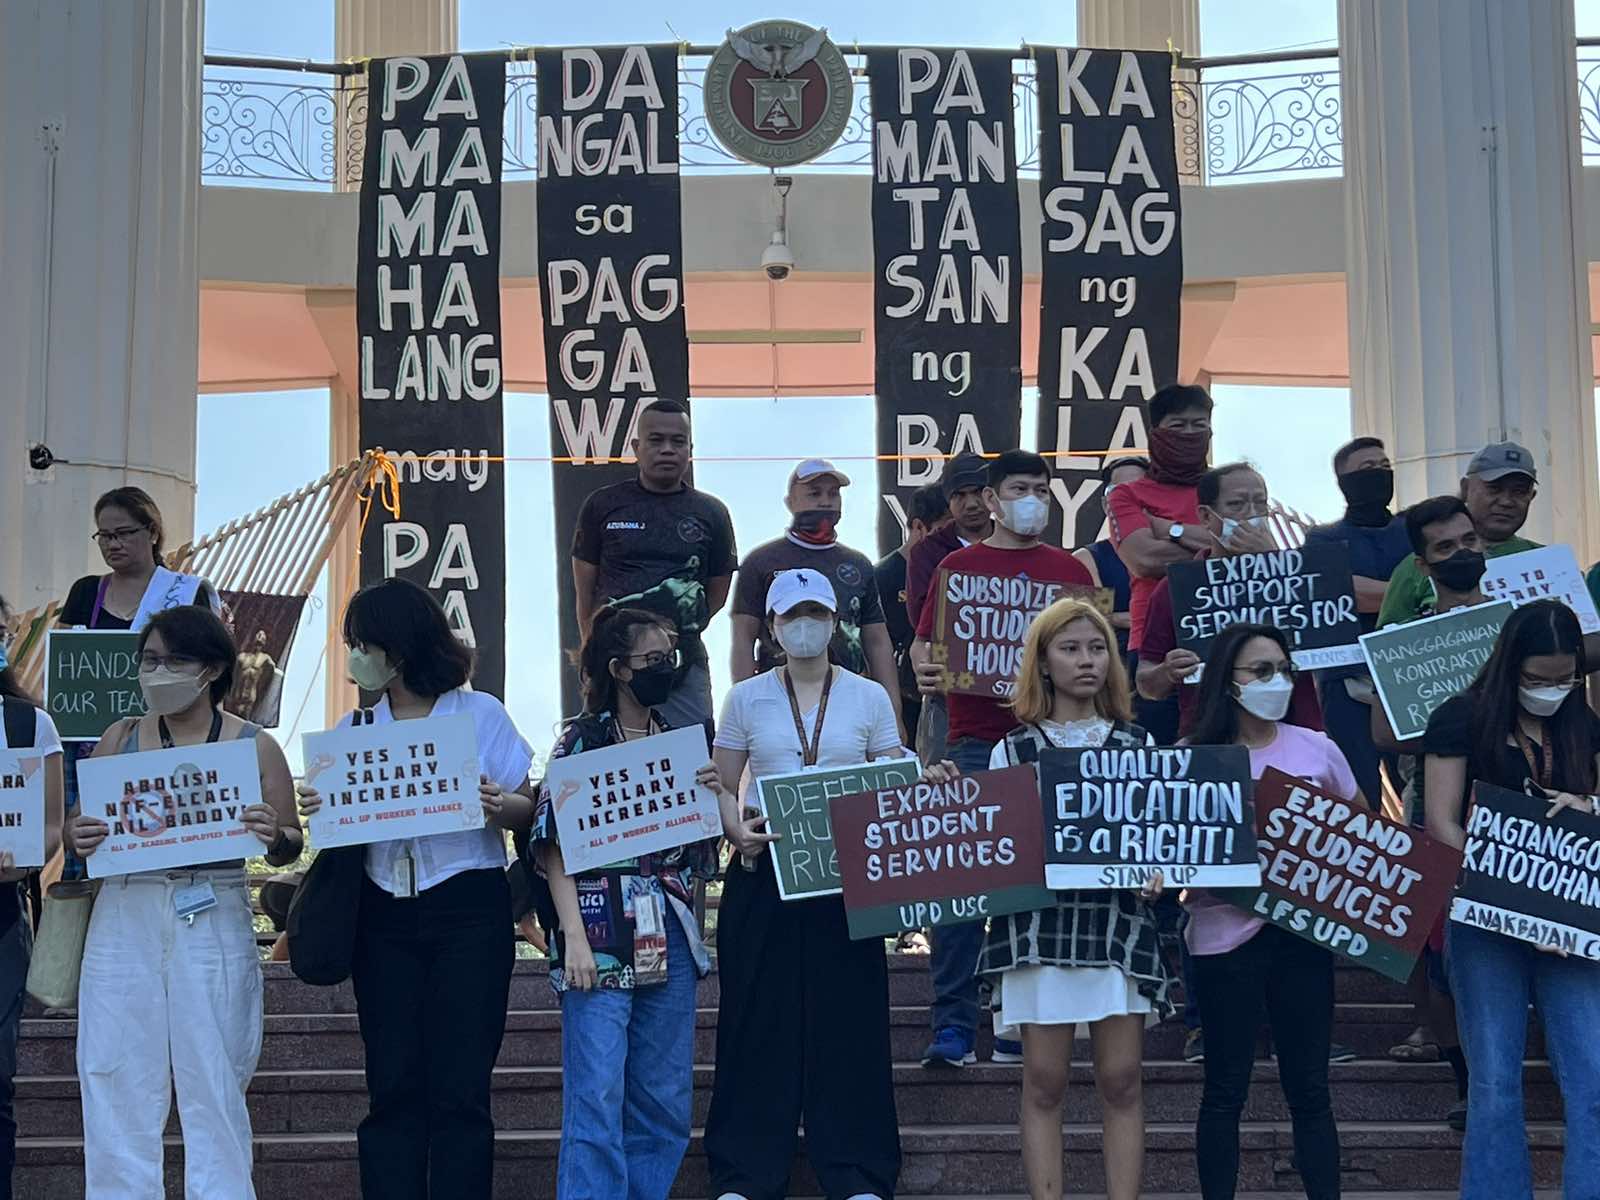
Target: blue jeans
<point>1494,978</point>
<point>954,949</point>
<point>628,1083</point>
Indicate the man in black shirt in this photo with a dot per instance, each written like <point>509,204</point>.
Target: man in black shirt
<point>929,510</point>
<point>658,544</point>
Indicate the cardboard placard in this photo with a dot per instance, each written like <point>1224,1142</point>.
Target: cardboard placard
<point>1418,666</point>
<point>1530,877</point>
<point>1336,873</point>
<point>1548,573</point>
<point>632,799</point>
<point>980,622</point>
<point>929,854</point>
<point>22,806</point>
<point>401,779</point>
<point>1308,593</point>
<point>91,681</point>
<point>796,807</point>
<point>172,808</point>
<point>1113,817</point>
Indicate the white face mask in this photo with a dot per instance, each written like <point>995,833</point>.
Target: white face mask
<point>1543,701</point>
<point>1025,516</point>
<point>1230,526</point>
<point>167,692</point>
<point>804,637</point>
<point>1267,699</point>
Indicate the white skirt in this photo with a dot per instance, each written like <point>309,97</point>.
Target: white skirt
<point>1048,995</point>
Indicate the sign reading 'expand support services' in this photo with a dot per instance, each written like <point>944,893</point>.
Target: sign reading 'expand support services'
<point>1418,666</point>
<point>980,622</point>
<point>91,681</point>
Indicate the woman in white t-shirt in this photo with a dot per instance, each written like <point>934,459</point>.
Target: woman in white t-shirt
<point>803,1021</point>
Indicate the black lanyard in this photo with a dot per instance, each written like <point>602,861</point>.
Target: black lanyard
<point>166,734</point>
<point>1540,763</point>
<point>808,753</point>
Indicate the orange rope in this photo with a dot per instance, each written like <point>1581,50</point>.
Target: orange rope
<point>381,484</point>
<point>573,460</point>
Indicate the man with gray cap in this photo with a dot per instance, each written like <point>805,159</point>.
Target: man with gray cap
<point>1499,487</point>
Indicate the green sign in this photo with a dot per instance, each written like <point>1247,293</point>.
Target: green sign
<point>796,808</point>
<point>91,681</point>
<point>1420,665</point>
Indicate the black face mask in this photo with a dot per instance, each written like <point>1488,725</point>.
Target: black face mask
<point>1461,571</point>
<point>652,685</point>
<point>815,525</point>
<point>1368,493</point>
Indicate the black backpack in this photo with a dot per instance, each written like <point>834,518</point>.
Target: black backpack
<point>21,722</point>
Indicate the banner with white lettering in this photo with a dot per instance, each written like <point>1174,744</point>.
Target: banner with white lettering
<point>428,322</point>
<point>947,265</point>
<point>610,272</point>
<point>1112,272</point>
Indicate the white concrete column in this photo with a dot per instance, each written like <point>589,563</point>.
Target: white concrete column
<point>1152,25</point>
<point>1468,297</point>
<point>99,301</point>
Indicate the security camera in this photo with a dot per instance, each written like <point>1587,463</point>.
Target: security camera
<point>777,260</point>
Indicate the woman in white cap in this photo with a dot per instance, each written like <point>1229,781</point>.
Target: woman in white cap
<point>803,1022</point>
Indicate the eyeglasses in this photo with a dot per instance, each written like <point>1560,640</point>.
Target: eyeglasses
<point>643,662</point>
<point>1265,672</point>
<point>1533,681</point>
<point>180,663</point>
<point>112,537</point>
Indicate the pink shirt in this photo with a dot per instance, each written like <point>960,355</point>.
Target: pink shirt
<point>1215,926</point>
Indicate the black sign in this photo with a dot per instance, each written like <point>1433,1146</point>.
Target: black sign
<point>428,320</point>
<point>1112,276</point>
<point>947,265</point>
<point>1528,876</point>
<point>1308,593</point>
<point>1115,816</point>
<point>610,271</point>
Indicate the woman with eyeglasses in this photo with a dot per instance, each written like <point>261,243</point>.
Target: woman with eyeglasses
<point>168,999</point>
<point>1246,969</point>
<point>130,535</point>
<point>626,953</point>
<point>1521,725</point>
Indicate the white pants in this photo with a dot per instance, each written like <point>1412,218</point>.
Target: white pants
<point>163,1001</point>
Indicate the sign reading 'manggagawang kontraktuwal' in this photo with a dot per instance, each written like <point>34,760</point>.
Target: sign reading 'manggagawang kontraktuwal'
<point>428,321</point>
<point>947,265</point>
<point>610,268</point>
<point>1112,273</point>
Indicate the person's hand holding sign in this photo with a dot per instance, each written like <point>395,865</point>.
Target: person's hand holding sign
<point>930,678</point>
<point>492,799</point>
<point>84,834</point>
<point>940,772</point>
<point>309,799</point>
<point>1151,892</point>
<point>1180,664</point>
<point>748,834</point>
<point>261,820</point>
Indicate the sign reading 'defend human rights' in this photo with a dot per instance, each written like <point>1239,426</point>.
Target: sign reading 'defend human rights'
<point>1349,879</point>
<point>1111,279</point>
<point>925,854</point>
<point>947,265</point>
<point>91,681</point>
<point>1308,593</point>
<point>1418,666</point>
<point>401,779</point>
<point>796,808</point>
<point>632,799</point>
<point>1114,817</point>
<point>22,806</point>
<point>171,808</point>
<point>981,621</point>
<point>1548,573</point>
<point>1528,876</point>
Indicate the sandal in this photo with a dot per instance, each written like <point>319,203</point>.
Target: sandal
<point>1416,1048</point>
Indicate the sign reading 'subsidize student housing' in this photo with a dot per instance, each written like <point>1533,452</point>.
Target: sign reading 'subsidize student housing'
<point>1418,666</point>
<point>1530,877</point>
<point>91,681</point>
<point>804,858</point>
<point>1114,817</point>
<point>1336,873</point>
<point>980,622</point>
<point>22,806</point>
<point>402,779</point>
<point>632,799</point>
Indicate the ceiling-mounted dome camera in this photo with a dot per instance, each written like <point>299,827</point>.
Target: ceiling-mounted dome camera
<point>777,260</point>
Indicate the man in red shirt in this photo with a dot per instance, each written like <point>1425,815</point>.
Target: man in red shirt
<point>1017,494</point>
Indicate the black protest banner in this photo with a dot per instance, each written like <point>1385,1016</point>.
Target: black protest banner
<point>1111,282</point>
<point>1528,876</point>
<point>428,321</point>
<point>947,265</point>
<point>610,271</point>
<point>1308,593</point>
<point>1114,817</point>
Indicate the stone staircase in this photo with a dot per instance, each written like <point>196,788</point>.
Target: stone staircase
<point>959,1134</point>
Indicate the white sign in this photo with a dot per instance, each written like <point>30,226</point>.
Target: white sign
<point>172,808</point>
<point>1548,573</point>
<point>22,806</point>
<point>401,779</point>
<point>632,799</point>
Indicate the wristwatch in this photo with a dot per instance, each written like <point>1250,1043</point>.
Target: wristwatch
<point>1176,532</point>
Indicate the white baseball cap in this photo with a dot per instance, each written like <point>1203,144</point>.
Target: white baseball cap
<point>792,588</point>
<point>813,468</point>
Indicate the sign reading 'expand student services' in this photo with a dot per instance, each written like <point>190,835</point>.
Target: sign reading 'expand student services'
<point>1418,666</point>
<point>91,681</point>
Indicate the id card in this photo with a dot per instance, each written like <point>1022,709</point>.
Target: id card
<point>191,901</point>
<point>405,876</point>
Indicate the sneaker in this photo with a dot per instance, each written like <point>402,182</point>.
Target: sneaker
<point>951,1047</point>
<point>1194,1047</point>
<point>1006,1051</point>
<point>1338,1052</point>
<point>1456,1118</point>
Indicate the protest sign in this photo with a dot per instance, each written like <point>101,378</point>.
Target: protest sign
<point>91,681</point>
<point>980,622</point>
<point>1418,666</point>
<point>1336,873</point>
<point>401,779</point>
<point>1114,817</point>
<point>22,806</point>
<point>926,854</point>
<point>796,808</point>
<point>1528,876</point>
<point>172,808</point>
<point>1308,593</point>
<point>1548,573</point>
<point>632,799</point>
<point>263,625</point>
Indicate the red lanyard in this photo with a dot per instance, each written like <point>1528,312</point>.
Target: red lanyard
<point>808,753</point>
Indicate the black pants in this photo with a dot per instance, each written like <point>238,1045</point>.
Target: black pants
<point>802,1031</point>
<point>16,947</point>
<point>1290,982</point>
<point>432,980</point>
